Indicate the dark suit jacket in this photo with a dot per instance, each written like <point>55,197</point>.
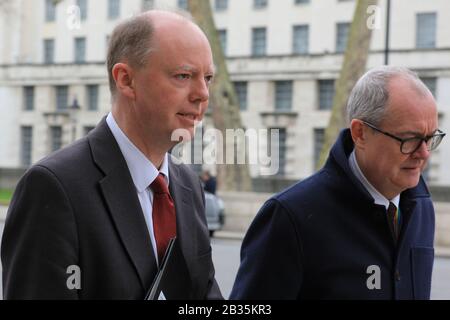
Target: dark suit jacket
<point>320,239</point>
<point>79,207</point>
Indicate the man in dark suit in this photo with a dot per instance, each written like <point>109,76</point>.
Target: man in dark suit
<point>363,226</point>
<point>209,182</point>
<point>99,209</point>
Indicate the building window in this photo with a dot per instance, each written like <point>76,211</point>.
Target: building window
<point>259,4</point>
<point>241,92</point>
<point>92,97</point>
<point>50,11</point>
<point>431,83</point>
<point>49,51</point>
<point>223,40</point>
<point>82,5</point>
<point>62,97</point>
<point>183,4</point>
<point>280,145</point>
<point>258,41</point>
<point>220,5</point>
<point>301,1</point>
<point>55,138</point>
<point>80,50</point>
<point>342,30</point>
<point>283,95</point>
<point>28,98</point>
<point>113,9</point>
<point>26,133</point>
<point>301,39</point>
<point>87,129</point>
<point>147,5</point>
<point>326,94</point>
<point>319,138</point>
<point>426,30</point>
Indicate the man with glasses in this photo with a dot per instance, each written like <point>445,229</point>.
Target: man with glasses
<point>363,226</point>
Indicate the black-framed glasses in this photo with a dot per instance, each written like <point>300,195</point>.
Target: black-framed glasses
<point>411,145</point>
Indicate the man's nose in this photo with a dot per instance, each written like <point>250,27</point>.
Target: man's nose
<point>199,91</point>
<point>422,152</point>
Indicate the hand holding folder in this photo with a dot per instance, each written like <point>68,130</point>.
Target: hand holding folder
<point>173,278</point>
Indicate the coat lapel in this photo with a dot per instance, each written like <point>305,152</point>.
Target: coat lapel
<point>120,195</point>
<point>184,206</point>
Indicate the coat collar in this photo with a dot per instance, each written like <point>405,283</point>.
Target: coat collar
<point>184,207</point>
<point>338,160</point>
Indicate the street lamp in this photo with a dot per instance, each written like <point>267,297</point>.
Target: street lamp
<point>388,22</point>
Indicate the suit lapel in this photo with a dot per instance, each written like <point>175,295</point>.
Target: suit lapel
<point>182,196</point>
<point>120,195</point>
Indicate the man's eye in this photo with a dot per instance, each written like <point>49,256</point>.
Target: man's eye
<point>183,76</point>
<point>208,79</point>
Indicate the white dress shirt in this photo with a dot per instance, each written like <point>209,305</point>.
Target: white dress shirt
<point>142,171</point>
<point>376,195</point>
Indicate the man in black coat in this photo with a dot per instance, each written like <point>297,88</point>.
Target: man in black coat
<point>88,210</point>
<point>363,226</point>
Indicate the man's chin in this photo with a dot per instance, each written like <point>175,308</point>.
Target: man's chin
<point>411,182</point>
<point>183,134</point>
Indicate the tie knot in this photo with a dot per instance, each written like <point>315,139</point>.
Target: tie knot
<point>159,185</point>
<point>392,208</point>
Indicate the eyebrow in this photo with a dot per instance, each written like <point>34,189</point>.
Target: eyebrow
<point>416,133</point>
<point>192,69</point>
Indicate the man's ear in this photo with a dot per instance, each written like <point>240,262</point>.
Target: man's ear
<point>124,77</point>
<point>358,132</point>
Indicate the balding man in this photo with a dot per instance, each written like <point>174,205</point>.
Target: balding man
<point>105,207</point>
<point>363,226</point>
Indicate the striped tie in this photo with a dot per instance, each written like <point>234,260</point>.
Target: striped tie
<point>393,216</point>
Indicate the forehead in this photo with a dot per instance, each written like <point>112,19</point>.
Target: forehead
<point>410,109</point>
<point>182,43</point>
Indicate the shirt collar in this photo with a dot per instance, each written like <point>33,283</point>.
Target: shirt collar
<point>142,170</point>
<point>376,195</point>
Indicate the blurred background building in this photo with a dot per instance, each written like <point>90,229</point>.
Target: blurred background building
<point>283,57</point>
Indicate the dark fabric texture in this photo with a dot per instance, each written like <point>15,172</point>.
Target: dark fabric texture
<point>323,237</point>
<point>79,207</point>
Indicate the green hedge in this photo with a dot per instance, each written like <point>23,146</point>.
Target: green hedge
<point>5,196</point>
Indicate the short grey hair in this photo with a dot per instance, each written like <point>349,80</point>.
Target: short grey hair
<point>132,42</point>
<point>369,97</point>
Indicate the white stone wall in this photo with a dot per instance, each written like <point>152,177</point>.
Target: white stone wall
<point>9,130</point>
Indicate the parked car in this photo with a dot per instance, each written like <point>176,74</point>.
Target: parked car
<point>215,213</point>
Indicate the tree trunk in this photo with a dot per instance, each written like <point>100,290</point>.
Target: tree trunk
<point>224,102</point>
<point>353,68</point>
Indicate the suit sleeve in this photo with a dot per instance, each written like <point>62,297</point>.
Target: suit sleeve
<point>39,240</point>
<point>270,257</point>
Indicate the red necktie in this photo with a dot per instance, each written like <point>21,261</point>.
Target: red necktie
<point>164,218</point>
